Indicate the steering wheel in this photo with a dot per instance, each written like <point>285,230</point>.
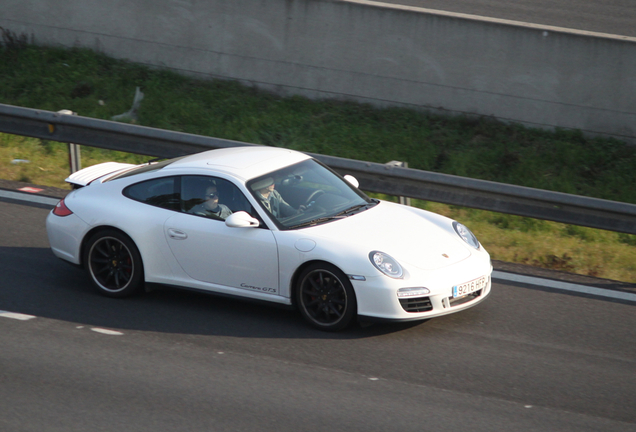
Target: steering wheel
<point>315,194</point>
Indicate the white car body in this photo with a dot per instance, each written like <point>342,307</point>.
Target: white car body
<point>263,262</point>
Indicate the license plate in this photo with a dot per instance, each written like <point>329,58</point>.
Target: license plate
<point>469,287</point>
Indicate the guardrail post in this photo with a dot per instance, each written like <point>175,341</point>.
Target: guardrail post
<point>74,156</point>
<point>394,163</point>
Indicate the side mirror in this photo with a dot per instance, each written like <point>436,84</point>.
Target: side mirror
<point>241,220</point>
<point>351,179</point>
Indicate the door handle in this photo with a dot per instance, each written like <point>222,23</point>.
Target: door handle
<point>177,234</point>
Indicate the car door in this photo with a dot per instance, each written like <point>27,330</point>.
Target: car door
<point>211,252</point>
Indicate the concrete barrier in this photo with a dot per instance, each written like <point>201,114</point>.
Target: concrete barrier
<point>383,54</point>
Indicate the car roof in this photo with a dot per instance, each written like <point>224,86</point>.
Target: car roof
<point>245,162</point>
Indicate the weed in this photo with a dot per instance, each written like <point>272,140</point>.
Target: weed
<point>628,239</point>
<point>582,233</point>
<point>554,262</point>
<point>81,90</point>
<point>12,41</point>
<point>94,85</point>
<point>523,224</point>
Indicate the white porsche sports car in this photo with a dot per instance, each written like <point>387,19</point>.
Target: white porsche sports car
<point>267,224</point>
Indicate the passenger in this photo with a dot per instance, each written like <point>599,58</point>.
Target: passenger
<point>272,200</point>
<point>211,207</point>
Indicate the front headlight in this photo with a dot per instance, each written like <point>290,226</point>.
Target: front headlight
<point>466,234</point>
<point>386,264</point>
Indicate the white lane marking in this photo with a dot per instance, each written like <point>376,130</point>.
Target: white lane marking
<point>18,316</point>
<point>27,197</point>
<point>107,332</point>
<point>565,286</point>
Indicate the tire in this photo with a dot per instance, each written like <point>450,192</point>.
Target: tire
<point>114,264</point>
<point>325,297</point>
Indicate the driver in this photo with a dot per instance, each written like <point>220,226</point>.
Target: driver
<point>272,200</point>
<point>211,207</point>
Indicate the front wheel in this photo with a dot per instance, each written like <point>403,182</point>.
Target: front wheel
<point>113,264</point>
<point>325,297</point>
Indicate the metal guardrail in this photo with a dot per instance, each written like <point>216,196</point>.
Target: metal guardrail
<point>373,177</point>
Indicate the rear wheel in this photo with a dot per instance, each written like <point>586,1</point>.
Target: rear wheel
<point>113,264</point>
<point>325,297</point>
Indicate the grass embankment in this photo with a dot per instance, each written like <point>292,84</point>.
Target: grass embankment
<point>96,86</point>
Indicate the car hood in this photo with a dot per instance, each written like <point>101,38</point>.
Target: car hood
<point>405,233</point>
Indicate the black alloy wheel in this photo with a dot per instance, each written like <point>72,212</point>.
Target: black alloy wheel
<point>325,297</point>
<point>114,264</point>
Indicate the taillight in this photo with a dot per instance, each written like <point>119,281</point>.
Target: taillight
<point>61,209</point>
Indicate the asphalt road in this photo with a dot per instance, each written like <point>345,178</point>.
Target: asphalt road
<point>525,360</point>
<point>602,16</point>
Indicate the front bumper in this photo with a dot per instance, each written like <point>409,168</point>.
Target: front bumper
<point>378,301</point>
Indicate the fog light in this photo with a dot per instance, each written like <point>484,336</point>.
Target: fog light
<point>413,292</point>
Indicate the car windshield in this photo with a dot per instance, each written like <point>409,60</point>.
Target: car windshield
<point>307,194</point>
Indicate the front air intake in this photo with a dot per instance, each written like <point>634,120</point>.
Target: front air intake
<point>420,304</point>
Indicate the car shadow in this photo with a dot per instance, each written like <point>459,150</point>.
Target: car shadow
<point>37,283</point>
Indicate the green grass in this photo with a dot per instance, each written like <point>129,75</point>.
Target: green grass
<point>94,85</point>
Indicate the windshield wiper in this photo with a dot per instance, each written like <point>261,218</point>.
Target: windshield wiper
<point>356,209</point>
<point>317,221</point>
<point>341,215</point>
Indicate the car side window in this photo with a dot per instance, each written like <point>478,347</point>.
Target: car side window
<point>212,197</point>
<point>160,192</point>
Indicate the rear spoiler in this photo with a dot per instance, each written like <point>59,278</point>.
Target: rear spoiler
<point>85,176</point>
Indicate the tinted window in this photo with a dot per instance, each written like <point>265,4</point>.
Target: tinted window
<point>307,193</point>
<point>148,167</point>
<point>212,197</point>
<point>161,192</point>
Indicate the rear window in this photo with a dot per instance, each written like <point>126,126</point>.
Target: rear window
<point>161,192</point>
<point>148,167</point>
